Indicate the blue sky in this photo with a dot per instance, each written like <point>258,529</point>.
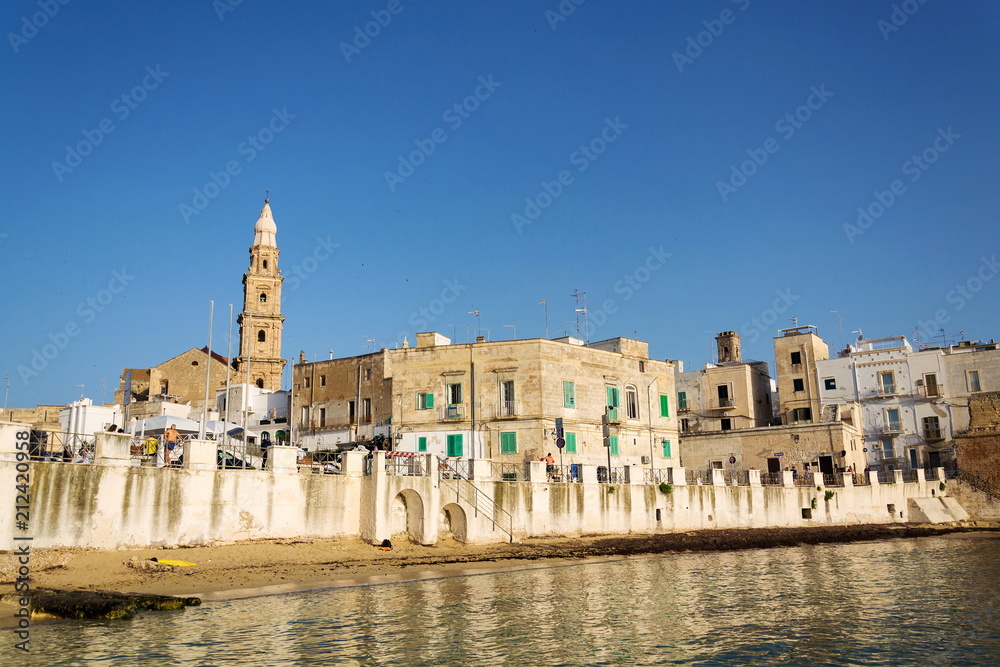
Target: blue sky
<point>693,166</point>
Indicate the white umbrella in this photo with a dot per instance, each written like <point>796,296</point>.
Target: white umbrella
<point>218,427</point>
<point>163,422</point>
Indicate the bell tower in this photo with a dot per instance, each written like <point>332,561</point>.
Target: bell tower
<point>261,321</point>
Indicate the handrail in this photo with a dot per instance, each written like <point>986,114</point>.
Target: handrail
<point>473,496</point>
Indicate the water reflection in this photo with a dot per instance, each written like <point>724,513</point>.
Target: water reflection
<point>931,600</point>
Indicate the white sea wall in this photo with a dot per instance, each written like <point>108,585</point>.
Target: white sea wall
<point>108,504</point>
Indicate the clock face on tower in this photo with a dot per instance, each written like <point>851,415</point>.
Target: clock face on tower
<point>261,322</point>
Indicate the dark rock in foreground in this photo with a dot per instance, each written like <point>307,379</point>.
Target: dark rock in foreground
<point>102,604</point>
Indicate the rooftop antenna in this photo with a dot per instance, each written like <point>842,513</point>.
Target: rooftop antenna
<point>512,326</point>
<point>861,336</point>
<point>83,390</point>
<point>454,335</point>
<point>104,390</point>
<point>794,321</point>
<point>370,344</point>
<point>331,354</point>
<point>475,311</point>
<point>840,321</point>
<point>577,294</point>
<point>6,393</point>
<point>545,307</point>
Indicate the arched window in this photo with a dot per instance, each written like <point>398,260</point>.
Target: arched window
<point>265,264</point>
<point>631,402</point>
<point>263,298</point>
<point>260,383</point>
<point>261,336</point>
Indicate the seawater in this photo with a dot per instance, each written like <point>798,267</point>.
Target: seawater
<point>926,601</point>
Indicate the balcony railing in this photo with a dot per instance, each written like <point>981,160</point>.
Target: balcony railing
<point>453,413</point>
<point>892,427</point>
<point>506,409</point>
<point>932,434</point>
<point>722,404</point>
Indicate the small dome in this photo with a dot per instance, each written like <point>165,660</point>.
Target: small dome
<point>265,229</point>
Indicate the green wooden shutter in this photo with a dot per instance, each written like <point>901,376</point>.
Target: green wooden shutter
<point>664,405</point>
<point>666,449</point>
<point>455,444</point>
<point>508,442</point>
<point>613,440</point>
<point>569,395</point>
<point>570,443</point>
<point>682,400</point>
<point>430,401</point>
<point>422,444</point>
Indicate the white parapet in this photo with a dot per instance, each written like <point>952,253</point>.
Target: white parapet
<point>201,454</point>
<point>112,449</point>
<point>283,459</point>
<point>9,439</point>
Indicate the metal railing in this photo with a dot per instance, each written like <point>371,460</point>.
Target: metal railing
<point>506,409</point>
<point>661,476</point>
<point>833,479</point>
<point>454,468</point>
<point>58,447</point>
<point>614,476</point>
<point>909,475</point>
<point>691,477</point>
<point>737,478</point>
<point>861,479</point>
<point>886,477</point>
<point>468,492</point>
<point>564,473</point>
<point>771,479</point>
<point>405,466</point>
<point>509,472</point>
<point>803,479</point>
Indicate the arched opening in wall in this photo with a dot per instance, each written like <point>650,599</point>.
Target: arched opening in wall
<point>261,336</point>
<point>452,523</point>
<point>406,516</point>
<point>265,264</point>
<point>260,383</point>
<point>263,297</point>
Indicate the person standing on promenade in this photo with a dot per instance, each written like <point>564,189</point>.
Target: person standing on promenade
<point>170,439</point>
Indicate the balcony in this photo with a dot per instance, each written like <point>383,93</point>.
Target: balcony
<point>453,413</point>
<point>614,417</point>
<point>722,404</point>
<point>506,410</point>
<point>933,435</point>
<point>892,427</point>
<point>886,390</point>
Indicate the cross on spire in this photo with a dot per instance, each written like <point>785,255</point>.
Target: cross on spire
<point>267,195</point>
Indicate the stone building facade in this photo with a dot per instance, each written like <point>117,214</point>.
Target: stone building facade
<point>497,400</point>
<point>178,380</point>
<point>796,353</point>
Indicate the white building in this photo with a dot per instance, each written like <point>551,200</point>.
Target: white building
<point>912,402</point>
<point>262,412</point>
<point>82,417</point>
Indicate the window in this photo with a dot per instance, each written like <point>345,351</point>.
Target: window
<point>570,443</point>
<point>425,401</point>
<point>801,414</point>
<point>508,407</point>
<point>508,442</point>
<point>261,336</point>
<point>265,263</point>
<point>569,395</point>
<point>351,412</point>
<point>260,383</point>
<point>664,405</point>
<point>613,444</point>
<point>614,401</point>
<point>666,449</point>
<point>322,417</point>
<point>888,452</point>
<point>305,416</point>
<point>796,358</point>
<point>455,444</point>
<point>932,428</point>
<point>892,422</point>
<point>366,409</point>
<point>322,380</point>
<point>631,402</point>
<point>685,425</point>
<point>886,382</point>
<point>726,425</point>
<point>263,298</point>
<point>642,366</point>
<point>422,444</point>
<point>829,383</point>
<point>307,381</point>
<point>974,381</point>
<point>798,384</point>
<point>455,394</point>
<point>930,385</point>
<point>682,400</point>
<point>722,391</point>
<point>368,374</point>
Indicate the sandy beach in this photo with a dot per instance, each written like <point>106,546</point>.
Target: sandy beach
<point>263,567</point>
